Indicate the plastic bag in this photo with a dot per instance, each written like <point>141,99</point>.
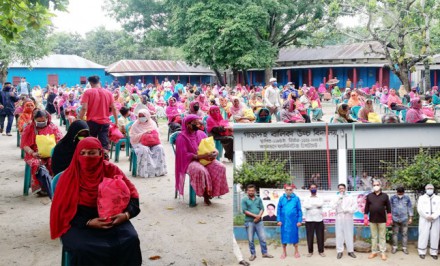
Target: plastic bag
<point>115,134</point>
<point>150,139</point>
<point>45,144</point>
<point>374,118</point>
<point>207,145</point>
<point>315,104</point>
<point>249,114</point>
<point>113,197</point>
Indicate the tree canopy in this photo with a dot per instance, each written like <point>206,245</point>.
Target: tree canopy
<point>17,16</point>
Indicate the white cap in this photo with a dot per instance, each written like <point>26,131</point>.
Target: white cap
<point>272,80</point>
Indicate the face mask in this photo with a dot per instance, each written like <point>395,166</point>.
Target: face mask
<point>41,124</point>
<point>195,127</point>
<point>191,91</point>
<point>313,191</point>
<point>275,84</point>
<point>429,192</point>
<point>376,188</point>
<point>143,119</point>
<point>196,108</point>
<point>90,163</point>
<point>80,138</point>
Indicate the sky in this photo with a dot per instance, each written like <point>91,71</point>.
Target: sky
<point>84,16</point>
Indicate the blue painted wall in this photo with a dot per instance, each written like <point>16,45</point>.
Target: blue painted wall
<point>68,76</point>
<point>150,79</point>
<point>368,75</point>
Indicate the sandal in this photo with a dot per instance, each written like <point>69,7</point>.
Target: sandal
<point>297,255</point>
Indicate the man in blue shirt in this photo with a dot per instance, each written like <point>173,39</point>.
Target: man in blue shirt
<point>402,213</point>
<point>252,207</point>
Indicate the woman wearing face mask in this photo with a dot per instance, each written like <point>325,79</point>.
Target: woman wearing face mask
<point>41,125</point>
<point>194,109</point>
<point>415,113</point>
<point>26,116</point>
<point>90,239</point>
<point>207,181</point>
<point>150,160</point>
<point>64,150</point>
<point>221,130</point>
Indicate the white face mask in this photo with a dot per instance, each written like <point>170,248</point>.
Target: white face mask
<point>376,188</point>
<point>143,119</point>
<point>430,191</point>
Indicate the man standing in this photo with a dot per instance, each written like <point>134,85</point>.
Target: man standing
<point>272,97</point>
<point>24,88</point>
<point>345,206</point>
<point>7,107</point>
<point>378,206</point>
<point>289,218</point>
<point>98,103</point>
<point>314,223</point>
<point>402,213</point>
<point>428,208</point>
<point>252,207</point>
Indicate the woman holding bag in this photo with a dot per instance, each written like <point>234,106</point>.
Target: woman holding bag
<point>144,137</point>
<point>41,126</point>
<point>207,181</point>
<point>89,238</point>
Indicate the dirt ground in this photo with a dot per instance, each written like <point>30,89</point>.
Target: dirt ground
<point>167,227</point>
<point>398,259</point>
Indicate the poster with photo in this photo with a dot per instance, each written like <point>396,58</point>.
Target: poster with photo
<point>271,196</point>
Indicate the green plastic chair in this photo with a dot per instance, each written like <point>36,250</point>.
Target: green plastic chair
<point>65,256</point>
<point>27,179</point>
<point>192,193</point>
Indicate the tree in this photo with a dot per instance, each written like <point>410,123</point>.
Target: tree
<point>289,22</point>
<point>17,16</point>
<point>67,43</point>
<point>31,46</point>
<point>394,24</point>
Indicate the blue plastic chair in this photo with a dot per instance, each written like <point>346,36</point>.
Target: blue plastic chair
<point>192,193</point>
<point>65,256</point>
<point>355,111</point>
<point>403,114</point>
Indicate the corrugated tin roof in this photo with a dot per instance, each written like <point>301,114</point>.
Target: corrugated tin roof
<point>333,52</point>
<point>156,66</point>
<point>60,61</point>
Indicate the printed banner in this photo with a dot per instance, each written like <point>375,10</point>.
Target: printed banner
<point>271,196</point>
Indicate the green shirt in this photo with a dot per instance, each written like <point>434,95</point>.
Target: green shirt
<point>253,206</point>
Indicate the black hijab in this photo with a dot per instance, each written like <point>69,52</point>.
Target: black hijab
<point>65,148</point>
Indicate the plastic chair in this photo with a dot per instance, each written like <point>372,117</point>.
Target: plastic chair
<point>27,179</point>
<point>355,111</point>
<point>192,193</point>
<point>403,114</point>
<point>65,256</point>
<point>117,147</point>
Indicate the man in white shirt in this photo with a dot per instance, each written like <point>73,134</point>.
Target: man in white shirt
<point>345,205</point>
<point>272,97</point>
<point>428,208</point>
<point>24,88</point>
<point>314,222</point>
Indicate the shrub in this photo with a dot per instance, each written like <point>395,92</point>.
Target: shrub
<point>267,173</point>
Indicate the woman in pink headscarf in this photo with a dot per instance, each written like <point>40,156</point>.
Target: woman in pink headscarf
<point>203,102</point>
<point>384,96</point>
<point>207,181</point>
<point>354,100</point>
<point>415,113</point>
<point>220,129</point>
<point>394,101</point>
<point>413,95</point>
<point>150,159</point>
<point>321,90</point>
<point>237,111</point>
<point>315,104</point>
<point>173,115</point>
<point>194,109</point>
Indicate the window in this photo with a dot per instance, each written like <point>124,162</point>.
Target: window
<point>83,80</point>
<point>52,79</point>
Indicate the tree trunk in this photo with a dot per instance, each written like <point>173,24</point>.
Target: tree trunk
<point>268,74</point>
<point>427,77</point>
<point>403,71</point>
<point>234,78</point>
<point>246,78</point>
<point>219,77</point>
<point>3,73</point>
